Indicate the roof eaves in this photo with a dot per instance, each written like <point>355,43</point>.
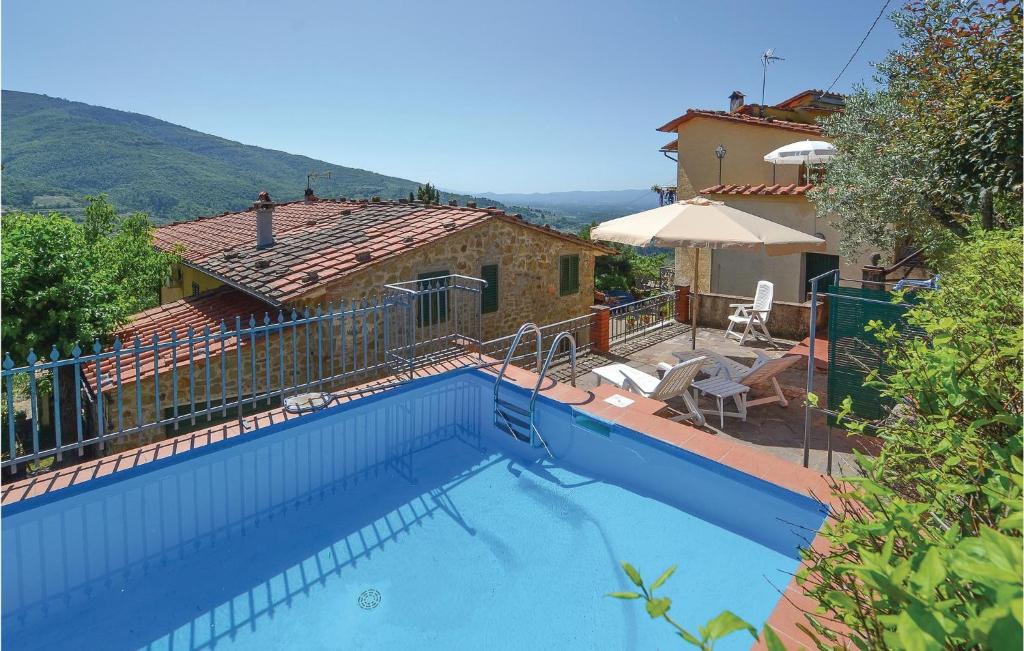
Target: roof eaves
<point>232,283</point>
<point>758,190</point>
<point>739,119</point>
<point>786,103</point>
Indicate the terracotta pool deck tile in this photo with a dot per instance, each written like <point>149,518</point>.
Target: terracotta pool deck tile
<point>709,446</point>
<point>778,471</point>
<point>640,403</point>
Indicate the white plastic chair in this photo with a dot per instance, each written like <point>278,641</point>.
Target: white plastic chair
<point>675,383</point>
<point>753,316</point>
<point>724,372</point>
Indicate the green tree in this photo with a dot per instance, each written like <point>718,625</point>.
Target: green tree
<point>629,269</point>
<point>428,193</point>
<point>941,140</point>
<point>926,544</point>
<point>66,284</point>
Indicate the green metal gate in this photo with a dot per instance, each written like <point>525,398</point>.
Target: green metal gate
<point>854,351</point>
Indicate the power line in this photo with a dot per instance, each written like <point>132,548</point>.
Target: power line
<point>852,56</point>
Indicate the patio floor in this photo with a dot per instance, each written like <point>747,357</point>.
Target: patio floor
<point>773,428</point>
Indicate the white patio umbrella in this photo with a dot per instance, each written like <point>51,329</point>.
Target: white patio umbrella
<point>805,152</point>
<point>705,224</point>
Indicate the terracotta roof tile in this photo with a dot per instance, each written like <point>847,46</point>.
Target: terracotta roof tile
<point>740,118</point>
<point>207,310</point>
<point>818,94</point>
<point>762,190</point>
<point>208,236</point>
<point>224,246</point>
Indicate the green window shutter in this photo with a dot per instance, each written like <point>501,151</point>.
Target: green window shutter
<point>568,275</point>
<point>434,306</point>
<point>489,295</point>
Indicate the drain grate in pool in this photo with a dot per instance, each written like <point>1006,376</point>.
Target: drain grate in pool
<point>369,599</point>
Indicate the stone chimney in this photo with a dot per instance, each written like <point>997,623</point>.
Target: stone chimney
<point>264,208</point>
<point>309,196</point>
<point>735,101</point>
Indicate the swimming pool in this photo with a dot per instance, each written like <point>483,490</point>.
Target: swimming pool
<point>404,520</point>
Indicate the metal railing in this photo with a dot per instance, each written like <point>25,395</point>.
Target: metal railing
<point>640,317</point>
<point>442,319</point>
<point>911,262</point>
<point>176,382</point>
<point>579,327</point>
<point>181,381</point>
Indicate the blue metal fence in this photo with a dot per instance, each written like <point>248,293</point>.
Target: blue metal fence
<point>182,381</point>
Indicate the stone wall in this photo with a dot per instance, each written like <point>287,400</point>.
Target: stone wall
<point>528,274</point>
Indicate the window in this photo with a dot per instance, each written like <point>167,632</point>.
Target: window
<point>814,174</point>
<point>195,289</point>
<point>568,275</point>
<point>489,295</point>
<point>434,305</point>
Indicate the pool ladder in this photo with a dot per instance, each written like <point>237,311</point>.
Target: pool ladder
<point>520,421</point>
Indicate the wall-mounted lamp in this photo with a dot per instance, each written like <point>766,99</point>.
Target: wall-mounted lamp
<point>720,153</point>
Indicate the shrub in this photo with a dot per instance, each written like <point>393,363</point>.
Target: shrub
<point>926,545</point>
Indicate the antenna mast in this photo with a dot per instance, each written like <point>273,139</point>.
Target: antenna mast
<point>316,175</point>
<point>767,58</point>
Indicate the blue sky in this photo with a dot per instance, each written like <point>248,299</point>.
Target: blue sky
<point>524,96</point>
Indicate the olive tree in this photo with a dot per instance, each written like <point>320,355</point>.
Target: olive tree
<point>938,145</point>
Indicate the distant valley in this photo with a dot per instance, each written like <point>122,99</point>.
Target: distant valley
<point>580,207</point>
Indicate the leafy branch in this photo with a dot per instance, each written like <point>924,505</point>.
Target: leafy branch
<point>722,625</point>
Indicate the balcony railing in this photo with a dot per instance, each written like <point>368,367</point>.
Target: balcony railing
<point>640,317</point>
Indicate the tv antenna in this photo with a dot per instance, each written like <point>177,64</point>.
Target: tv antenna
<point>766,59</point>
<point>316,175</point>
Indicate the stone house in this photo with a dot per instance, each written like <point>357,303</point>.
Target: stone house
<point>742,179</point>
<point>276,258</point>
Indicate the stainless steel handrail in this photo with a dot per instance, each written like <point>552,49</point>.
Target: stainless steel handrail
<point>540,380</point>
<point>512,349</point>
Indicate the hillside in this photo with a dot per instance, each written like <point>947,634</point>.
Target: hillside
<point>57,151</point>
<point>583,207</point>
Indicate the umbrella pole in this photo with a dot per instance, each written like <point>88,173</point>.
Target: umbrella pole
<point>696,298</point>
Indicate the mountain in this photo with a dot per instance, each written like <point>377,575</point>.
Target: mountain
<point>57,151</point>
<point>583,206</point>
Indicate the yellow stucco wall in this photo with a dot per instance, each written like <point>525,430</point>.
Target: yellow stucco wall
<point>737,272</point>
<point>176,289</point>
<point>746,146</point>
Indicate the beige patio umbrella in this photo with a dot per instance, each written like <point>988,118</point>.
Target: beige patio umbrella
<point>701,223</point>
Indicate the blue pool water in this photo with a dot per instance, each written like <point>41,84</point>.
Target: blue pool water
<point>402,521</point>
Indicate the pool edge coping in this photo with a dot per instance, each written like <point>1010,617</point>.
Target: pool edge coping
<point>638,416</point>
